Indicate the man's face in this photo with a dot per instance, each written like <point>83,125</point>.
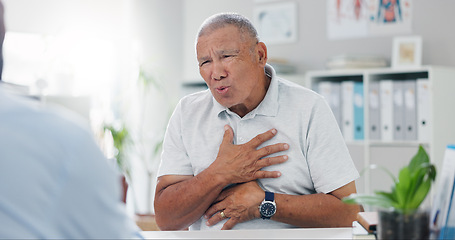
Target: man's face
<point>231,69</point>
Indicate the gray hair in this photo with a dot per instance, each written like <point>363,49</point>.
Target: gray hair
<point>221,20</point>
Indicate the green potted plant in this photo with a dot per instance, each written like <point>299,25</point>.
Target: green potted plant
<point>399,214</point>
<point>120,137</point>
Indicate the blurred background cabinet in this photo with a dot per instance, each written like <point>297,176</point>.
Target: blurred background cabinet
<point>393,152</point>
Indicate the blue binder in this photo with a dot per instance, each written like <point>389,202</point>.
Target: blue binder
<point>359,126</point>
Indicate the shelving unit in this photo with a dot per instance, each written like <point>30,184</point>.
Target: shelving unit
<point>393,155</point>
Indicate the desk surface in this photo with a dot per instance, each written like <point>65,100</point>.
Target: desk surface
<point>295,233</point>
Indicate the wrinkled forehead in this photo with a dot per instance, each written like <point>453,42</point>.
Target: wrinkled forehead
<point>220,40</point>
<point>209,30</point>
<point>231,32</point>
<point>227,35</point>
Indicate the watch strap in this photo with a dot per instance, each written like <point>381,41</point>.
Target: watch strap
<point>269,196</point>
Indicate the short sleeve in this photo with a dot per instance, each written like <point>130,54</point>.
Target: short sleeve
<point>174,158</point>
<point>330,163</point>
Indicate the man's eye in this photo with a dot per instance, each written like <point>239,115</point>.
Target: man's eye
<point>204,62</point>
<point>226,56</point>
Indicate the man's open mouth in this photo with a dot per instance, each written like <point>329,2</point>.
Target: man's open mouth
<point>222,90</point>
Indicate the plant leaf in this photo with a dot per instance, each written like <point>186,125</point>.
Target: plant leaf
<point>420,194</point>
<point>402,187</point>
<point>410,189</point>
<point>375,166</point>
<point>418,159</point>
<point>377,200</point>
<point>422,189</point>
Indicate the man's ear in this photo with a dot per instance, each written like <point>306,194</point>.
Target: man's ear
<point>262,53</point>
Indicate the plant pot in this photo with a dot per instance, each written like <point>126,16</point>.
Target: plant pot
<point>396,225</point>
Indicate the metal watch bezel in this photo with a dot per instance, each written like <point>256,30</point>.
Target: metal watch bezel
<point>264,203</point>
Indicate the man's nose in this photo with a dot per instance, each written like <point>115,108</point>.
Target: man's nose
<point>219,71</point>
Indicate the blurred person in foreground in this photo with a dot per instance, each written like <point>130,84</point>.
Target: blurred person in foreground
<point>54,180</point>
<point>253,151</point>
<point>2,36</point>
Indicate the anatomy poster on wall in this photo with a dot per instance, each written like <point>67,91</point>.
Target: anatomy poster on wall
<point>366,18</point>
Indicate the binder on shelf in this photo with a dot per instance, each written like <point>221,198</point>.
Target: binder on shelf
<point>410,111</point>
<point>331,91</point>
<point>374,113</point>
<point>398,110</point>
<point>443,210</point>
<point>359,125</point>
<point>423,109</point>
<point>347,110</point>
<point>386,109</point>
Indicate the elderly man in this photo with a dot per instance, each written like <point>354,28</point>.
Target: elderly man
<point>252,146</point>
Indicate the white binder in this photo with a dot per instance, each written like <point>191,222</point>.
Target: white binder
<point>410,111</point>
<point>398,110</point>
<point>374,114</point>
<point>347,110</point>
<point>386,109</point>
<point>423,109</point>
<point>331,91</point>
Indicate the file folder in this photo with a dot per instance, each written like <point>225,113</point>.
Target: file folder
<point>423,110</point>
<point>398,110</point>
<point>347,110</point>
<point>331,91</point>
<point>358,111</point>
<point>410,111</point>
<point>374,113</point>
<point>386,109</point>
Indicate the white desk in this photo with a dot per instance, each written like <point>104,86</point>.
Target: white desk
<point>296,233</point>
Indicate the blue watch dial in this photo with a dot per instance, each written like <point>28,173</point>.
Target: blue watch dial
<point>267,209</point>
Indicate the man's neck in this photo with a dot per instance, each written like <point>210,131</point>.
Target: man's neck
<point>242,110</point>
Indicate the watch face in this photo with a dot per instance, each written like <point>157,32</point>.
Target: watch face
<point>268,209</point>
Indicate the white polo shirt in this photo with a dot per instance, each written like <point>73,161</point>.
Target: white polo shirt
<point>55,182</point>
<point>319,161</point>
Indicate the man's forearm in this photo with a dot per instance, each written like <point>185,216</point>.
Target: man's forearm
<point>180,200</point>
<point>179,205</point>
<point>315,210</point>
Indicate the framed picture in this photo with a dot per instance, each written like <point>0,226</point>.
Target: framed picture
<point>407,52</point>
<point>276,22</point>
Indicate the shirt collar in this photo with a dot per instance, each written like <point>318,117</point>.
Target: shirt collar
<point>268,106</point>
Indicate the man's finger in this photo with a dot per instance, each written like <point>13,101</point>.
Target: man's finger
<point>265,162</point>
<point>267,174</point>
<point>216,218</point>
<point>263,137</point>
<point>228,136</point>
<point>213,210</point>
<point>267,150</point>
<point>229,224</point>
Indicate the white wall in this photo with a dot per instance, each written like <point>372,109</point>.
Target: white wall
<point>157,27</point>
<point>53,16</point>
<point>432,20</point>
<point>71,24</point>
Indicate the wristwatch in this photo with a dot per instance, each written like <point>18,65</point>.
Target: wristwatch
<point>268,206</point>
